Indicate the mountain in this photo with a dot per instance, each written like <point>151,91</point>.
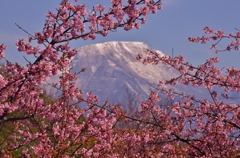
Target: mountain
<point>111,67</point>
<point>113,73</point>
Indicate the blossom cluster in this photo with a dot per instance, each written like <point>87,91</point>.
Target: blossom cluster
<point>2,48</point>
<point>207,128</point>
<point>218,35</point>
<point>32,126</point>
<point>75,125</point>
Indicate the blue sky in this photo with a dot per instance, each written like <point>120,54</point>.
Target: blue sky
<point>167,29</point>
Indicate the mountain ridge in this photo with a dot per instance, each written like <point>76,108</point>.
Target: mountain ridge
<point>112,65</point>
<point>112,68</point>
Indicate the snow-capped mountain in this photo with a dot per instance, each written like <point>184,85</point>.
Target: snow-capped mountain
<point>112,66</point>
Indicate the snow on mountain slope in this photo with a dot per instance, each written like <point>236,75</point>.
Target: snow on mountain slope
<point>112,66</point>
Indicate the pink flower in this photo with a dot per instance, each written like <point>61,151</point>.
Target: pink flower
<point>154,9</point>
<point>128,26</point>
<point>2,49</point>
<point>137,25</point>
<point>159,6</point>
<point>100,8</point>
<point>104,32</point>
<point>144,20</point>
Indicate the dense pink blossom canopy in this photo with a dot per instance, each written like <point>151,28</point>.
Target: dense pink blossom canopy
<point>189,127</point>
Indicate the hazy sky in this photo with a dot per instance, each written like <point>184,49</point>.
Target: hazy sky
<point>167,29</point>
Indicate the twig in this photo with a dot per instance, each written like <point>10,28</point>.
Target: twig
<point>24,30</point>
<point>27,60</point>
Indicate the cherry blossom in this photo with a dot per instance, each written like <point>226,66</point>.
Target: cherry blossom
<point>62,128</point>
<point>31,126</point>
